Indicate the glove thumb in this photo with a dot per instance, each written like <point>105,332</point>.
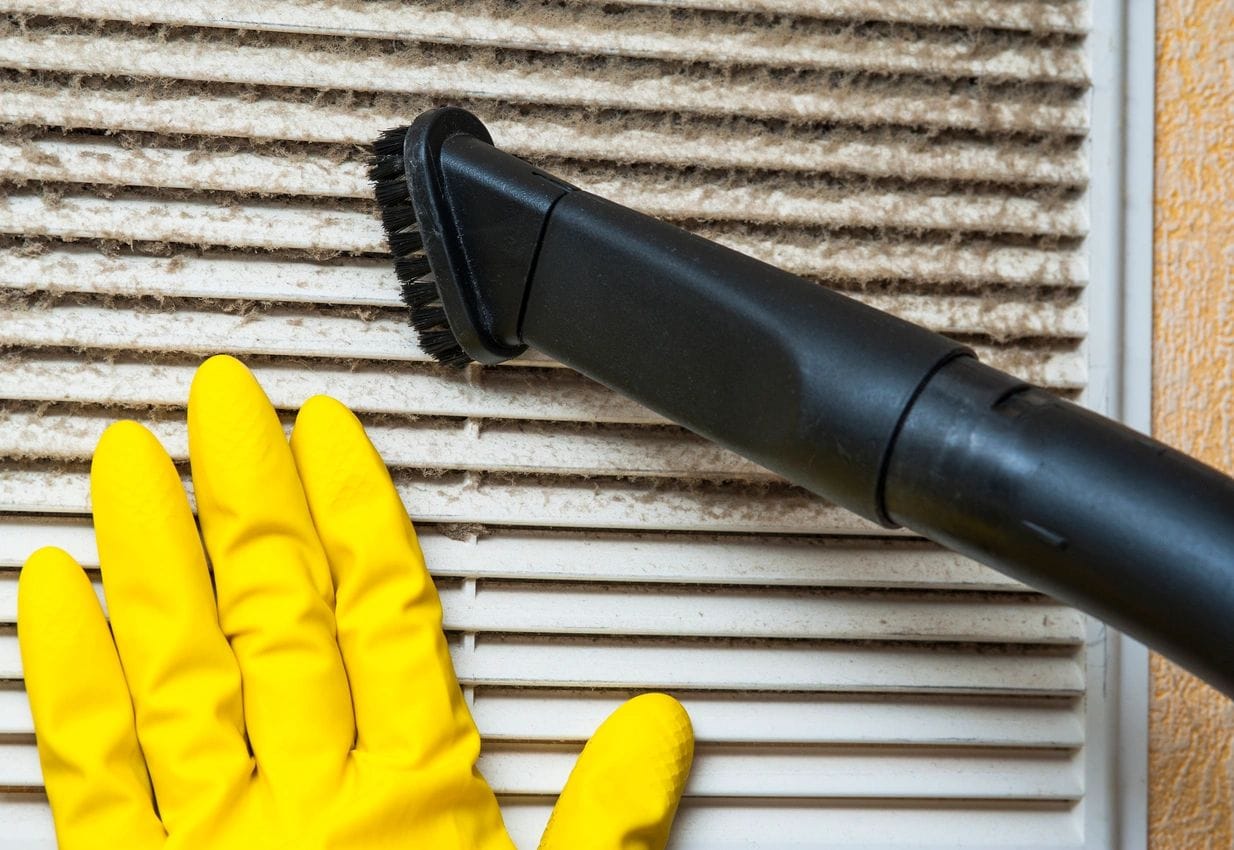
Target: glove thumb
<point>624,789</point>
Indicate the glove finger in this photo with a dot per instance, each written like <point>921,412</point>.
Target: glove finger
<point>183,678</point>
<point>624,789</point>
<point>406,696</point>
<point>83,719</point>
<point>273,584</point>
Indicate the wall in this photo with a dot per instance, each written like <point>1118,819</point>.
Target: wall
<point>1190,766</point>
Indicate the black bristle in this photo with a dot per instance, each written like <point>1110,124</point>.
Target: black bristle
<point>391,192</point>
<point>421,293</point>
<point>390,142</point>
<point>429,317</point>
<point>410,269</point>
<point>442,347</point>
<point>385,168</point>
<point>405,244</point>
<point>398,217</point>
<point>455,358</point>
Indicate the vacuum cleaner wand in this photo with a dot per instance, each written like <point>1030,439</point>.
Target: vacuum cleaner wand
<point>899,424</point>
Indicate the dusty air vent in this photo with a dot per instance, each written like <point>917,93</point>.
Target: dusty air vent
<point>186,178</point>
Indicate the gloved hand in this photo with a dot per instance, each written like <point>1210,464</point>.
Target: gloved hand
<point>307,700</point>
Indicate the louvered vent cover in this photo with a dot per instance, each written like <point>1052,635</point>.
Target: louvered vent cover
<point>186,178</point>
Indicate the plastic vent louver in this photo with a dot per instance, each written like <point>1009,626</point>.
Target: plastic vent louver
<point>185,178</point>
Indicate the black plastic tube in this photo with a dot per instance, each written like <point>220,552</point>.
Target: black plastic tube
<point>1075,505</point>
<point>890,420</point>
<point>803,380</point>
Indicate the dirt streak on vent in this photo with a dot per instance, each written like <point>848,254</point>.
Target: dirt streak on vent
<point>592,82</point>
<point>272,113</point>
<point>693,195</point>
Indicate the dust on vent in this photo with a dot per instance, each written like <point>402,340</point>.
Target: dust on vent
<point>187,178</point>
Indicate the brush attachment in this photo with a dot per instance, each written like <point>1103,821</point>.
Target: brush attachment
<point>388,174</point>
<point>463,221</point>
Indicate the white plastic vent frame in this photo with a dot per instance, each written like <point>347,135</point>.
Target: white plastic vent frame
<point>1118,301</point>
<point>1122,50</point>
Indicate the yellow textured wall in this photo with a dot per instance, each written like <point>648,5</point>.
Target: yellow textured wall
<point>1190,768</point>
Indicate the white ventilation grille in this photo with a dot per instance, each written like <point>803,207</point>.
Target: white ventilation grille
<point>186,178</point>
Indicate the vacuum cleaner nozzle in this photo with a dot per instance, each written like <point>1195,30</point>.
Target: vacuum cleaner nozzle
<point>464,221</point>
<point>878,415</point>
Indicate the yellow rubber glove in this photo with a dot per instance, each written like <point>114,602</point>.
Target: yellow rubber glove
<point>307,700</point>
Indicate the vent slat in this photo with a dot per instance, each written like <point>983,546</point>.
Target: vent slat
<point>554,716</point>
<point>723,825</point>
<point>761,199</point>
<point>647,33</point>
<point>506,553</point>
<point>846,668</point>
<point>1070,16</point>
<point>371,283</point>
<point>568,503</point>
<point>534,608</point>
<point>385,336</point>
<point>288,226</point>
<point>730,773</point>
<point>457,445</point>
<point>530,716</point>
<point>839,667</point>
<point>616,138</point>
<point>619,85</point>
<point>522,608</point>
<point>723,773</point>
<point>975,265</point>
<point>408,389</point>
<point>704,824</point>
